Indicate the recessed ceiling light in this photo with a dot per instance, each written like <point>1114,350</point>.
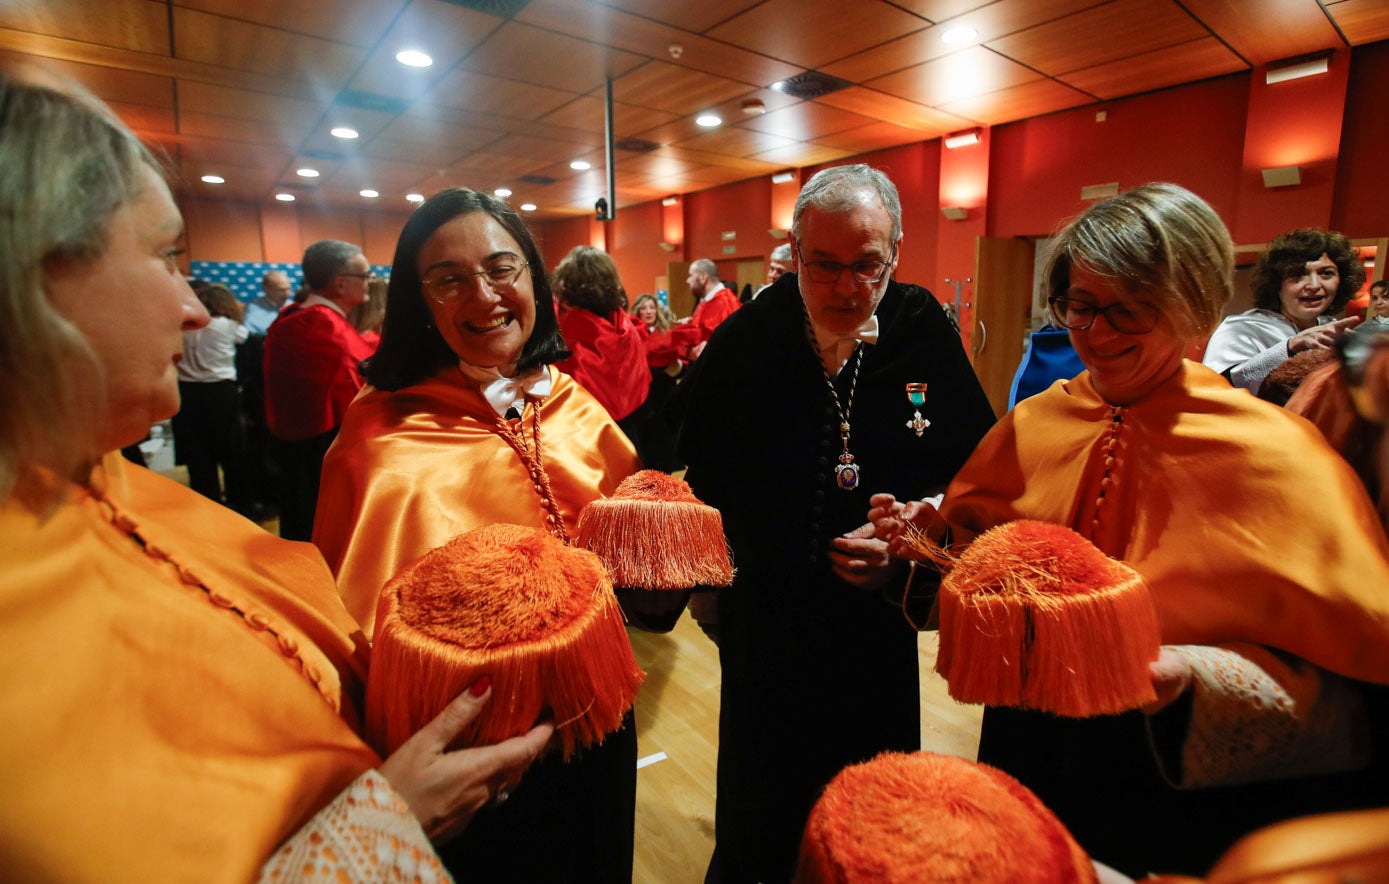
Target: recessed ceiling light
<point>962,34</point>
<point>709,121</point>
<point>344,132</point>
<point>214,179</point>
<point>581,165</point>
<point>306,172</point>
<point>503,192</point>
<point>285,197</point>
<point>415,197</point>
<point>528,207</point>
<point>369,194</point>
<point>413,58</point>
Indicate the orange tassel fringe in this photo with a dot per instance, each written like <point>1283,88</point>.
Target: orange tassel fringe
<point>928,817</point>
<point>535,616</point>
<point>1033,615</point>
<point>653,533</point>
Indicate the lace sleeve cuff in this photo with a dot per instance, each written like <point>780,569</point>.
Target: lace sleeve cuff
<point>366,834</point>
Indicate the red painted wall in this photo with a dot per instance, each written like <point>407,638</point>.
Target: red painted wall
<point>634,241</point>
<point>744,207</point>
<point>223,231</point>
<point>1361,204</point>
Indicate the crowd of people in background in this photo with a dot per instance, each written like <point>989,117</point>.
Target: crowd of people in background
<point>183,692</point>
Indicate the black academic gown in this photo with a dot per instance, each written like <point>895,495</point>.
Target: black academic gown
<point>817,674</point>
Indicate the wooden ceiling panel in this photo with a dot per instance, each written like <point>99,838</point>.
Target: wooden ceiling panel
<point>354,22</point>
<point>1362,21</point>
<point>1196,60</point>
<point>881,106</point>
<point>473,91</point>
<point>588,113</point>
<point>940,10</point>
<point>419,128</point>
<point>1262,31</point>
<point>427,153</point>
<point>521,52</point>
<point>544,149</point>
<point>1027,100</point>
<point>875,136</point>
<point>200,125</point>
<point>224,153</point>
<point>497,166</point>
<point>644,36</point>
<point>1099,35</point>
<point>383,176</point>
<point>136,25</point>
<point>806,121</point>
<point>975,71</point>
<point>146,120</point>
<point>805,153</point>
<point>813,33</point>
<point>734,141</point>
<point>244,46</point>
<point>238,104</point>
<point>697,17</point>
<point>676,90</point>
<point>445,32</point>
<point>115,85</point>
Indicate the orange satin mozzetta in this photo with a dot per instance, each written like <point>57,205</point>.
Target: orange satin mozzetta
<point>1244,524</point>
<point>177,689</point>
<point>413,469</point>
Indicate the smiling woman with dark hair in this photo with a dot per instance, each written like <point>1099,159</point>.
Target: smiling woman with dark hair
<point>467,423</point>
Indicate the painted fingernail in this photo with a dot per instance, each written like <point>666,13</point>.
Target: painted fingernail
<point>480,686</point>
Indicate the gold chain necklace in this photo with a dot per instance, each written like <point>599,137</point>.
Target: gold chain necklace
<point>535,466</point>
<point>846,475</point>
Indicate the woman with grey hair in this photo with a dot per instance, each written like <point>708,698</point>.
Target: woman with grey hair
<point>180,688</point>
<point>1261,551</point>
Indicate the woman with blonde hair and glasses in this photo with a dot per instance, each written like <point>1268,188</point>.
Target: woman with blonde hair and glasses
<point>180,689</point>
<point>465,423</point>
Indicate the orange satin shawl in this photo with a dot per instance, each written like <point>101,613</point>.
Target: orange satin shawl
<point>146,733</point>
<point>1246,526</point>
<point>413,469</point>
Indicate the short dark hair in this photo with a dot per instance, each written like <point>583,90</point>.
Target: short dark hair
<point>1288,256</point>
<point>411,347</point>
<point>325,260</point>
<point>1379,284</point>
<point>587,278</point>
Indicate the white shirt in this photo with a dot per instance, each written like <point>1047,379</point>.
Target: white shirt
<point>209,353</point>
<point>1249,345</point>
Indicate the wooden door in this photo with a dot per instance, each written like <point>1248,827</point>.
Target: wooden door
<point>681,300</point>
<point>1002,312</point>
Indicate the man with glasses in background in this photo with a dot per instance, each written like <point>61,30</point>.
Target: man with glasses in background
<point>312,354</point>
<point>835,382</point>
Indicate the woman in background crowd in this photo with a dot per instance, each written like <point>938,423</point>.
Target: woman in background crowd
<point>179,690</point>
<point>1301,282</point>
<point>654,322</point>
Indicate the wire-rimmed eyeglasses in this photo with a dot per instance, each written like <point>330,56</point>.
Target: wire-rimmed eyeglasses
<point>1130,318</point>
<point>449,284</point>
<point>865,272</point>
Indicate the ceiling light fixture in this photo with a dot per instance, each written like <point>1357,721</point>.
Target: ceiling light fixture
<point>671,201</point>
<point>306,173</point>
<point>753,107</point>
<point>414,58</point>
<point>962,139</point>
<point>709,120</point>
<point>369,193</point>
<point>783,177</point>
<point>528,207</point>
<point>344,132</point>
<point>1282,72</point>
<point>415,197</point>
<point>285,197</point>
<point>214,179</point>
<point>581,165</point>
<point>961,34</point>
<point>502,192</point>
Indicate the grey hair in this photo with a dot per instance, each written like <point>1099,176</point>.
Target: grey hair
<point>66,166</point>
<point>841,188</point>
<point>1158,240</point>
<point>324,260</point>
<point>782,252</point>
<point>705,266</point>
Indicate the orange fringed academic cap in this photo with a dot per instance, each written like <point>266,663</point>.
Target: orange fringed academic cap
<point>935,818</point>
<point>653,533</point>
<point>1033,615</point>
<point>514,604</point>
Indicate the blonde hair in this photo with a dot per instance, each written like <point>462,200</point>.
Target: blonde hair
<point>66,165</point>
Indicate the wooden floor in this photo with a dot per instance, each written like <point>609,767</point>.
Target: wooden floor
<point>677,739</point>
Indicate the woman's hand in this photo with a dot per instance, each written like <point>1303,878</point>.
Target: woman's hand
<point>444,789</point>
<point>1321,337</point>
<point>1171,676</point>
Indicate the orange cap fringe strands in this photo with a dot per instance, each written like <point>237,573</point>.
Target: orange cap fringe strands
<point>935,818</point>
<point>537,617</point>
<point>653,533</point>
<point>1033,615</point>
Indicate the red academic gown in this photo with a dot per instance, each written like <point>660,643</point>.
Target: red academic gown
<point>608,359</point>
<point>311,375</point>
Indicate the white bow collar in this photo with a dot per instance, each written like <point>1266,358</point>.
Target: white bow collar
<point>503,392</point>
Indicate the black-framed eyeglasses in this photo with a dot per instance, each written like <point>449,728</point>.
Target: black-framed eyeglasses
<point>1135,318</point>
<point>446,285</point>
<point>363,276</point>
<point>865,272</point>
